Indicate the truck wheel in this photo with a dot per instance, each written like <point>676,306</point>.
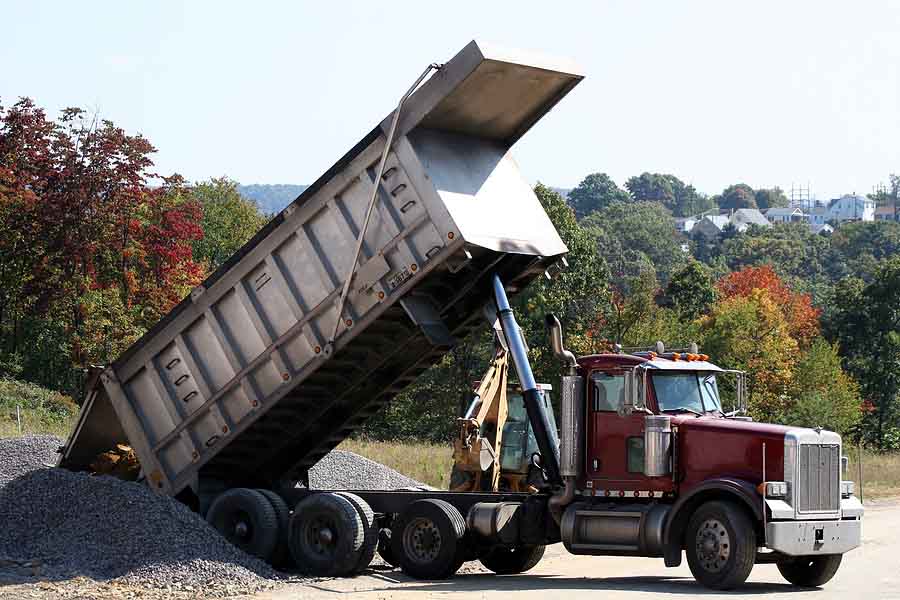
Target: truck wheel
<point>426,539</point>
<point>509,561</point>
<point>246,519</point>
<point>326,535</point>
<point>281,557</point>
<point>385,548</point>
<point>721,545</point>
<point>810,571</point>
<point>370,535</point>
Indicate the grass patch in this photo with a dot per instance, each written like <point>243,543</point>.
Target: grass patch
<point>425,462</point>
<point>40,410</point>
<point>880,473</point>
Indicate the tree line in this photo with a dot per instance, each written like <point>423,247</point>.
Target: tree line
<point>95,247</point>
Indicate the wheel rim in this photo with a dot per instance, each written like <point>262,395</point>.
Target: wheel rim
<point>713,545</point>
<point>239,528</point>
<point>320,536</point>
<point>422,541</point>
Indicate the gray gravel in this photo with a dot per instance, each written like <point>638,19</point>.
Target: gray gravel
<point>104,528</point>
<point>21,455</point>
<point>74,524</point>
<point>342,470</point>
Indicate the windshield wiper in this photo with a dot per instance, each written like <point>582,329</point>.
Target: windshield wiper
<point>684,408</point>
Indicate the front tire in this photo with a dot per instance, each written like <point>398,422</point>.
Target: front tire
<point>510,561</point>
<point>721,545</point>
<point>810,571</point>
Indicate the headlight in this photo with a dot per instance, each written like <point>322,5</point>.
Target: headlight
<point>848,488</point>
<point>775,489</point>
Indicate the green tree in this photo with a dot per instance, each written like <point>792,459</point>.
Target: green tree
<point>824,395</point>
<point>576,295</point>
<point>595,191</point>
<point>631,237</point>
<point>229,220</point>
<point>691,291</point>
<point>737,196</point>
<point>865,323</point>
<point>862,246</point>
<point>680,198</point>
<point>770,198</point>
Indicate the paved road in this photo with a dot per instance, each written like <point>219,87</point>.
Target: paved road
<point>871,572</point>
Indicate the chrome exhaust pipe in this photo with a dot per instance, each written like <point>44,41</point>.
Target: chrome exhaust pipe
<point>554,332</point>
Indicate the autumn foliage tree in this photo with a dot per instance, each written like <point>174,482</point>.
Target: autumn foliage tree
<point>801,317</point>
<point>95,247</point>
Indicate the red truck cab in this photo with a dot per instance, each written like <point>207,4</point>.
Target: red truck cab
<point>659,445</point>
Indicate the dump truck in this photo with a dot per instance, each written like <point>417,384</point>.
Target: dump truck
<point>417,236</point>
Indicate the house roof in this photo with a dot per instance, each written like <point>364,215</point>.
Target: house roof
<point>749,216</point>
<point>719,221</point>
<point>783,212</point>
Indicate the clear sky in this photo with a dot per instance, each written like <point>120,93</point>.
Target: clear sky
<point>768,93</point>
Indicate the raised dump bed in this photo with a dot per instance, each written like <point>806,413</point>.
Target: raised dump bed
<point>239,383</point>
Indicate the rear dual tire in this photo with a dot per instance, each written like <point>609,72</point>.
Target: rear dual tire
<point>427,539</point>
<point>247,519</point>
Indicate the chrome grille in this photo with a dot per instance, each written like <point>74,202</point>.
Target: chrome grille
<point>819,479</point>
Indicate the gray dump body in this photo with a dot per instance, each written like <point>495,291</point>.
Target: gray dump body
<point>237,385</point>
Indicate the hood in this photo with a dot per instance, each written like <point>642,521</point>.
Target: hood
<point>730,426</point>
<point>715,447</point>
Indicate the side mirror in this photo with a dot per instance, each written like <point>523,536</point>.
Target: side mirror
<point>633,400</point>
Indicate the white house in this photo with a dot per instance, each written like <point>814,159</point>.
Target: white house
<point>851,207</point>
<point>785,215</point>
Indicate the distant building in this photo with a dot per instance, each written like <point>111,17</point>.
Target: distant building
<point>823,229</point>
<point>887,213</point>
<point>817,215</point>
<point>851,207</point>
<point>710,226</point>
<point>785,215</point>
<point>745,217</point>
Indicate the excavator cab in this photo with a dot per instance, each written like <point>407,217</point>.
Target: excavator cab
<point>518,441</point>
<point>494,447</point>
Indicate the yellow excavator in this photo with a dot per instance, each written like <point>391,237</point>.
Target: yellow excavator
<point>494,445</point>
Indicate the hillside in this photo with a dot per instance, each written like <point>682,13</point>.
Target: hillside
<point>271,198</point>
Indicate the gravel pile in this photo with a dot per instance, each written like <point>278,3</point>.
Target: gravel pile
<point>58,525</point>
<point>104,528</point>
<point>342,470</point>
<point>21,455</point>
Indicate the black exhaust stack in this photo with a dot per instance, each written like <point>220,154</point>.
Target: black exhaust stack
<point>537,416</point>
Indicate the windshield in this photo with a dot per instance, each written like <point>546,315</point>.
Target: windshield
<point>690,392</point>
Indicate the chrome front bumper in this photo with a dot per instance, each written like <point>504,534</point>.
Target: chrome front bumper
<point>803,538</point>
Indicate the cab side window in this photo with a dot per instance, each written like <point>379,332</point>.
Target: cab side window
<point>609,392</point>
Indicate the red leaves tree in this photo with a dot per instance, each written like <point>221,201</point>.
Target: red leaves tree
<point>95,247</point>
<point>801,316</point>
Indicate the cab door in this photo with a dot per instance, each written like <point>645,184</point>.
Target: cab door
<point>615,452</point>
